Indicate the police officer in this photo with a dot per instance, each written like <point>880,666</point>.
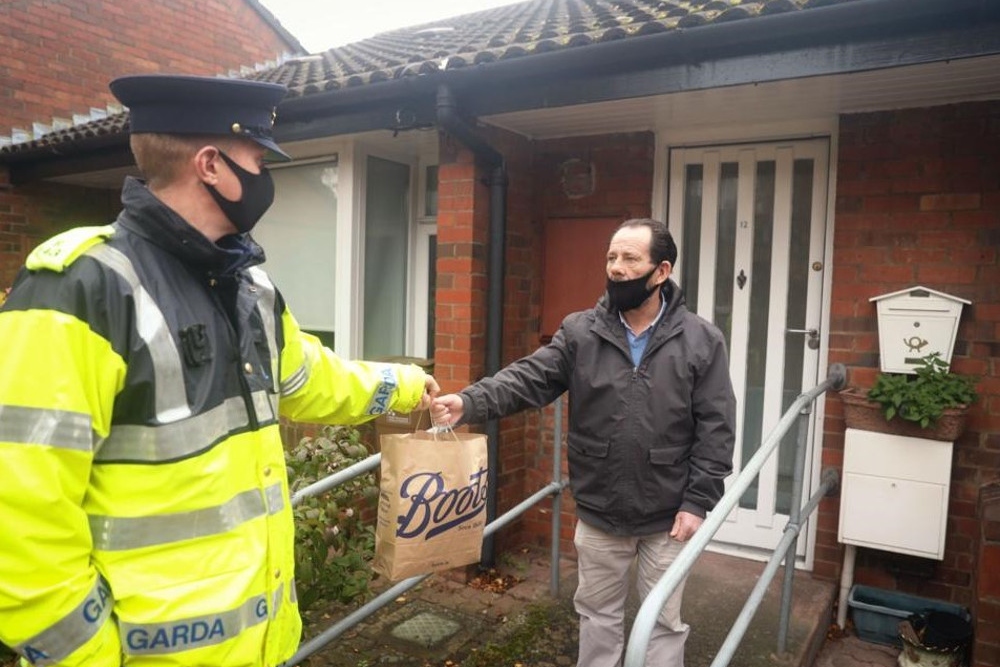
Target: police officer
<point>146,364</point>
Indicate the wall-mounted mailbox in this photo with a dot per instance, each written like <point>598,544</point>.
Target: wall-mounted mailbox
<point>913,323</point>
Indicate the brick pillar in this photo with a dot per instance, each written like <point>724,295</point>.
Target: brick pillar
<point>986,602</point>
<point>460,311</point>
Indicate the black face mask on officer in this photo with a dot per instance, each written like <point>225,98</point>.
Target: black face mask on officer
<point>625,295</point>
<point>257,197</point>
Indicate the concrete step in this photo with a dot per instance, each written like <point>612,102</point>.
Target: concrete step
<point>716,591</point>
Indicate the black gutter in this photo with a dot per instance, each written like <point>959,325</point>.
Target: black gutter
<point>452,122</point>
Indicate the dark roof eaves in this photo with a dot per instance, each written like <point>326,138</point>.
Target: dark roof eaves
<point>773,32</point>
<point>39,150</point>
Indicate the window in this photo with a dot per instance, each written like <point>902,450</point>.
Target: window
<point>425,265</point>
<point>299,235</point>
<point>431,191</point>
<point>387,224</point>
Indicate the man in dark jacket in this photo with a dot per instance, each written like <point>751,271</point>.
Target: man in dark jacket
<point>651,433</point>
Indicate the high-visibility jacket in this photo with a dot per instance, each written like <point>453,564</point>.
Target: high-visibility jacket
<point>144,503</point>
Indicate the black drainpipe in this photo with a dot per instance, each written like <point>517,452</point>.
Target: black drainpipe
<point>449,119</point>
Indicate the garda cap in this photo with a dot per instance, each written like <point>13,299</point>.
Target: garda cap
<point>176,104</point>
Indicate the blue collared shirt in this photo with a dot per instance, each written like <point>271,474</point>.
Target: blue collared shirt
<point>637,344</point>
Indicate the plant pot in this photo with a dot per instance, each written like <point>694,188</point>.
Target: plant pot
<point>866,415</point>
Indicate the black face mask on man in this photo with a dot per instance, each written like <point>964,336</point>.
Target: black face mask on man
<point>257,197</point>
<point>625,295</point>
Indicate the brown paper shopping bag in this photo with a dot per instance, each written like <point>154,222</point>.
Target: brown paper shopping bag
<point>432,502</point>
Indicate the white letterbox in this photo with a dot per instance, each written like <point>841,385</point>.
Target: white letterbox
<point>913,323</point>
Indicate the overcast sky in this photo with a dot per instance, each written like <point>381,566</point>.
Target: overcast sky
<point>323,24</point>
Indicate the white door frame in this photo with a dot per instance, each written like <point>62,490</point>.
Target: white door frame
<point>767,133</point>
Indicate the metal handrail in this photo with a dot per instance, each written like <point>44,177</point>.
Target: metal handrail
<point>554,488</point>
<point>645,620</point>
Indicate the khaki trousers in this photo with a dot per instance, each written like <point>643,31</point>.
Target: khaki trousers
<point>603,566</point>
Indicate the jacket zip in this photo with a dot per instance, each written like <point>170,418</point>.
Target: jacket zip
<point>620,508</point>
<point>245,392</point>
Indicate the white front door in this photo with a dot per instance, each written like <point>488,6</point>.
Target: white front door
<point>749,221</point>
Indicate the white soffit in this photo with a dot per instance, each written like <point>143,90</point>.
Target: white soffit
<point>816,97</point>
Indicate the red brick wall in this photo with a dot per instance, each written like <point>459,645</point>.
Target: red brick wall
<point>13,227</point>
<point>460,310</point>
<point>460,339</point>
<point>522,296</point>
<point>623,164</point>
<point>30,214</point>
<point>986,607</point>
<point>59,56</point>
<point>918,202</point>
<point>622,187</point>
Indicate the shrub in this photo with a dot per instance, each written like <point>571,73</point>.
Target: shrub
<point>333,547</point>
<point>923,397</point>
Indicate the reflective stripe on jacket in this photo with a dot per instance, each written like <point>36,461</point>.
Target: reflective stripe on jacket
<point>146,504</point>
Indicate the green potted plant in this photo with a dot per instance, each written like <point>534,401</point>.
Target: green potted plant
<point>932,403</point>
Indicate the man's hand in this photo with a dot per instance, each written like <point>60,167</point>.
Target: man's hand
<point>431,390</point>
<point>685,525</point>
<point>447,410</point>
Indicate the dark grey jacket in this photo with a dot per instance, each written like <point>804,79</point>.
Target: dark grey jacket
<point>645,441</point>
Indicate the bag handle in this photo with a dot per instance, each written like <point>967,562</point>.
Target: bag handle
<point>420,418</point>
<point>440,428</point>
<point>434,429</point>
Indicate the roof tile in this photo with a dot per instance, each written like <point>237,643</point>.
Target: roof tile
<point>520,30</point>
<point>524,29</point>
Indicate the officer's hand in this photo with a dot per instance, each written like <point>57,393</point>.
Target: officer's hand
<point>447,410</point>
<point>685,525</point>
<point>431,390</point>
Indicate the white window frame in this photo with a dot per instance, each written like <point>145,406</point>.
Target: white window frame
<point>348,300</point>
<point>349,296</point>
<point>426,227</point>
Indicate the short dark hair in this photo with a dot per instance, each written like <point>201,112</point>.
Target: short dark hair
<point>661,242</point>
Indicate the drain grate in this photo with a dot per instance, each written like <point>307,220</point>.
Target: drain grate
<point>426,629</point>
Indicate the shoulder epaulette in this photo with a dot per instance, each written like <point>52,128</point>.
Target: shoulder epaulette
<point>63,249</point>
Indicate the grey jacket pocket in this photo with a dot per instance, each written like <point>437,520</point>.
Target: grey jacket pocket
<point>663,486</point>
<point>588,473</point>
<point>665,456</point>
<point>588,446</point>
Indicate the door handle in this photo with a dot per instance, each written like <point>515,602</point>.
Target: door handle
<point>813,334</point>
